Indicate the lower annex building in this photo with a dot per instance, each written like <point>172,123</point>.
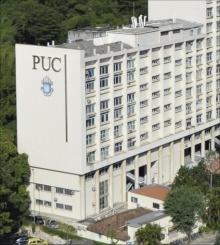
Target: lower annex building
<point>114,111</point>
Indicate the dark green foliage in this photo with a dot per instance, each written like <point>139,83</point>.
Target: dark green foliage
<point>185,205</point>
<point>14,177</point>
<point>150,234</point>
<point>197,177</point>
<point>217,239</point>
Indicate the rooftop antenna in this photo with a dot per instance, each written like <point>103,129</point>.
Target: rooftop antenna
<point>133,8</point>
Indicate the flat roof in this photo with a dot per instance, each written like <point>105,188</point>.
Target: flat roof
<point>154,191</point>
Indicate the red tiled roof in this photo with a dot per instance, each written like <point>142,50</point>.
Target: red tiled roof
<point>157,192</point>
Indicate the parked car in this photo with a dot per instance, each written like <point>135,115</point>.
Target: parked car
<point>21,240</point>
<point>37,241</point>
<point>52,224</point>
<point>37,219</point>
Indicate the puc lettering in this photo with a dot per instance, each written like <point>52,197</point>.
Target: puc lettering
<point>46,63</point>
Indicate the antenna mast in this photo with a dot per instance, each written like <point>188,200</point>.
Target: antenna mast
<point>133,8</point>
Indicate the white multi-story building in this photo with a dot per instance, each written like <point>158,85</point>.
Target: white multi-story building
<point>117,110</point>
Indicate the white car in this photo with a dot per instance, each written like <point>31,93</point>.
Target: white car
<point>52,224</point>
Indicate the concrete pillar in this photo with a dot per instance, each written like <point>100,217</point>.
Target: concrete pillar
<point>149,167</point>
<point>97,191</point>
<point>82,196</point>
<point>182,152</point>
<point>193,147</point>
<point>203,143</point>
<point>160,166</point>
<point>110,186</point>
<point>213,138</point>
<point>123,180</point>
<point>171,162</point>
<point>136,171</point>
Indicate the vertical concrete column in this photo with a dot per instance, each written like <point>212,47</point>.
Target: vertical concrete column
<point>171,177</point>
<point>149,167</point>
<point>203,143</point>
<point>136,172</point>
<point>160,166</point>
<point>193,147</point>
<point>97,191</point>
<point>213,139</point>
<point>145,176</point>
<point>182,152</point>
<point>82,196</point>
<point>110,186</point>
<point>123,180</point>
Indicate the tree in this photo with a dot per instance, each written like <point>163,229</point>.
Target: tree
<point>150,234</point>
<point>14,178</point>
<point>113,236</point>
<point>186,206</point>
<point>213,209</point>
<point>196,176</point>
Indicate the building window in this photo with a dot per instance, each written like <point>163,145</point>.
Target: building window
<point>104,152</point>
<point>156,205</point>
<point>167,75</point>
<point>209,87</point>
<point>209,12</point>
<point>191,32</point>
<point>218,112</point>
<point>90,122</point>
<point>208,101</point>
<point>131,126</point>
<point>104,117</point>
<point>218,69</point>
<point>143,52</point>
<point>104,135</point>
<point>188,122</point>
<point>103,70</point>
<point>156,78</point>
<point>59,205</point>
<point>90,108</point>
<point>164,33</point>
<point>156,126</point>
<point>188,107</point>
<point>90,73</point>
<point>144,136</point>
<point>189,46</point>
<point>176,31</point>
<point>117,79</point>
<point>104,105</point>
<point>217,98</point>
<point>143,87</point>
<point>189,62</point>
<point>178,93</point>
<point>178,78</point>
<point>178,108</point>
<point>209,56</point>
<point>167,123</point>
<point>188,92</point>
<point>155,62</point>
<point>198,89</point>
<point>90,157</point>
<point>218,10</point>
<point>178,62</point>
<point>144,103</point>
<point>130,76</point>
<point>104,82</point>
<point>198,44</point>
<point>178,124</point>
<point>198,59</point>
<point>218,25</point>
<point>118,113</point>
<point>209,71</point>
<point>59,190</point>
<point>131,97</point>
<point>117,66</point>
<point>39,186</point>
<point>167,91</point>
<point>209,42</point>
<point>90,139</point>
<point>130,160</point>
<point>90,176</point>
<point>167,59</point>
<point>117,101</point>
<point>178,46</point>
<point>198,75</point>
<point>68,207</point>
<point>130,110</point>
<point>198,104</point>
<point>155,110</point>
<point>218,40</point>
<point>130,64</point>
<point>103,194</point>
<point>199,118</point>
<point>131,142</point>
<point>208,115</point>
<point>189,77</point>
<point>209,27</point>
<point>199,30</point>
<point>89,86</point>
<point>47,188</point>
<point>218,83</point>
<point>134,199</point>
<point>155,94</point>
<point>118,146</point>
<point>218,55</point>
<point>118,130</point>
<point>144,120</point>
<point>167,107</point>
<point>117,165</point>
<point>68,192</point>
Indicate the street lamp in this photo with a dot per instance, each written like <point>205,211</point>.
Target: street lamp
<point>33,192</point>
<point>39,189</point>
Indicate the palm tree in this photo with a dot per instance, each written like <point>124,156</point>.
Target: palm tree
<point>150,234</point>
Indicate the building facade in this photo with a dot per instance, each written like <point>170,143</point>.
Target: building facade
<point>100,117</point>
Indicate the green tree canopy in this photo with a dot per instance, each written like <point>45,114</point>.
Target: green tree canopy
<point>14,177</point>
<point>185,205</point>
<point>150,234</point>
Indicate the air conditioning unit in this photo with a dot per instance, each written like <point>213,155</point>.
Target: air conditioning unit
<point>72,192</point>
<point>89,101</point>
<point>93,188</point>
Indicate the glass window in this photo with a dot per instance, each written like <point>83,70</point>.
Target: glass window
<point>90,157</point>
<point>104,117</point>
<point>103,69</point>
<point>90,108</point>
<point>103,82</point>
<point>90,121</point>
<point>90,73</point>
<point>90,139</point>
<point>117,66</point>
<point>118,147</point>
<point>104,105</point>
<point>117,101</point>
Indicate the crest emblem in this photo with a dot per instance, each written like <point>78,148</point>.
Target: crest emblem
<point>47,86</point>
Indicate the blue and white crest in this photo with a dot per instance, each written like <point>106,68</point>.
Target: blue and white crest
<point>47,86</point>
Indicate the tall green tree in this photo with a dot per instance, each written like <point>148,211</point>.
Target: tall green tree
<point>14,178</point>
<point>186,206</point>
<point>150,234</point>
